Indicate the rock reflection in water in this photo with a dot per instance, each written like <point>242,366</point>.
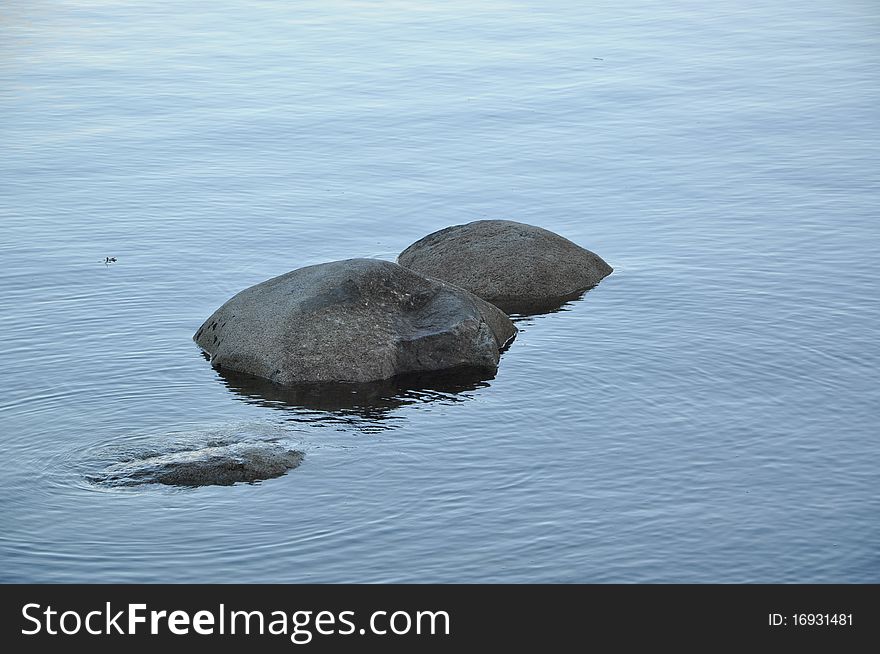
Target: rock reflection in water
<point>369,406</point>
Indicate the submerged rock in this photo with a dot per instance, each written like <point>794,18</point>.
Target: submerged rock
<point>356,320</point>
<point>520,268</point>
<point>221,465</point>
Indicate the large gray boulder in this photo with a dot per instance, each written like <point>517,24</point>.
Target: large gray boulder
<point>220,465</point>
<point>517,267</point>
<point>357,320</point>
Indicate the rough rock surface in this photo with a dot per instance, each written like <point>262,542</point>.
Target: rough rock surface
<point>356,320</point>
<point>221,465</point>
<point>517,267</point>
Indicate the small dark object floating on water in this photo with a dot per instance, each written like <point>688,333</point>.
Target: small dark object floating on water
<point>109,260</point>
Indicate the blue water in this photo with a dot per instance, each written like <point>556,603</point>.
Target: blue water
<point>708,413</point>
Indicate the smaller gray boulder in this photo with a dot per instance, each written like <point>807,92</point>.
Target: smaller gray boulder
<point>219,465</point>
<point>353,321</point>
<point>519,268</point>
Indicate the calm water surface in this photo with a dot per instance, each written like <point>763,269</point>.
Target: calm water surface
<point>708,413</point>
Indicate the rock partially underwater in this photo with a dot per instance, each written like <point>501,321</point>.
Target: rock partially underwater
<point>519,268</point>
<point>353,321</point>
<point>218,465</point>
